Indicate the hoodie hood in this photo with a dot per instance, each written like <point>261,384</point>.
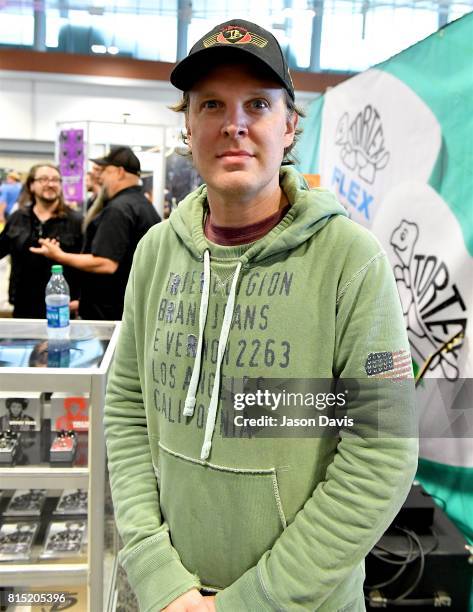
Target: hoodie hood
<point>306,217</point>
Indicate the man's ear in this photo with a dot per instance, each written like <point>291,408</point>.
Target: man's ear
<point>291,125</point>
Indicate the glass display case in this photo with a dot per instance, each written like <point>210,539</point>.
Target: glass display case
<point>56,521</point>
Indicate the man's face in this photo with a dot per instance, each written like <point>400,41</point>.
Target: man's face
<point>15,409</point>
<point>238,127</point>
<point>46,185</point>
<point>111,180</point>
<point>96,174</point>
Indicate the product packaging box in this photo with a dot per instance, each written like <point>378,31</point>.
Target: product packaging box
<point>72,501</point>
<point>20,411</point>
<point>69,412</point>
<point>26,502</point>
<point>16,540</point>
<point>64,539</point>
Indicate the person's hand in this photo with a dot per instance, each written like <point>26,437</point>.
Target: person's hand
<point>74,308</point>
<point>49,248</point>
<point>192,601</point>
<point>210,602</point>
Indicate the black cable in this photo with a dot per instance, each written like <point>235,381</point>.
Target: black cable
<point>389,581</point>
<point>420,573</point>
<point>436,542</point>
<point>434,535</point>
<point>403,555</point>
<point>398,572</point>
<point>409,557</point>
<point>385,559</point>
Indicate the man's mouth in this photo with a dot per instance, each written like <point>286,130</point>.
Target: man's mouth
<point>234,153</point>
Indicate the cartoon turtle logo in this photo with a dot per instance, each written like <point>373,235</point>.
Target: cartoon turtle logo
<point>362,144</point>
<point>422,282</point>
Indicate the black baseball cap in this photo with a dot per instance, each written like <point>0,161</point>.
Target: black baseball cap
<point>122,157</point>
<point>226,41</point>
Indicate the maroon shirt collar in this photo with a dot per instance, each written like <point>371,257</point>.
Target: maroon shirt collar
<point>234,236</point>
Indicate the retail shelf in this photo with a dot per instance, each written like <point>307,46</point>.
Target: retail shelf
<point>40,575</point>
<point>90,354</point>
<point>44,477</point>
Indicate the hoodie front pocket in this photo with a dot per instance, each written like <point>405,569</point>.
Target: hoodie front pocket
<point>221,520</point>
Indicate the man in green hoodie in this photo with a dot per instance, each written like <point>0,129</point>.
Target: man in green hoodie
<point>254,276</point>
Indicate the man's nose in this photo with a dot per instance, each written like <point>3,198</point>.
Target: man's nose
<point>235,122</point>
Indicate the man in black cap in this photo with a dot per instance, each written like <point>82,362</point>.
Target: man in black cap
<point>111,236</point>
<point>255,277</point>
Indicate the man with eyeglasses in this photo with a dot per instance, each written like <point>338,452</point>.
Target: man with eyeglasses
<point>46,216</point>
<point>112,232</point>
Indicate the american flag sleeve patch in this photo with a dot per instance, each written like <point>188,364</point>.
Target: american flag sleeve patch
<point>389,364</point>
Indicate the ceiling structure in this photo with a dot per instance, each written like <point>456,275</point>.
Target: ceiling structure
<point>169,7</point>
<point>340,35</point>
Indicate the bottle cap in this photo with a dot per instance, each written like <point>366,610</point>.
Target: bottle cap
<point>56,269</point>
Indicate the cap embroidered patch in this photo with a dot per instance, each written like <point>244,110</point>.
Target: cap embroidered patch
<point>389,365</point>
<point>235,35</point>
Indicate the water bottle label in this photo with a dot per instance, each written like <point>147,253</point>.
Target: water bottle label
<point>58,316</point>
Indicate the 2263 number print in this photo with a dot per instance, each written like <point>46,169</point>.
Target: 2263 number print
<point>256,353</point>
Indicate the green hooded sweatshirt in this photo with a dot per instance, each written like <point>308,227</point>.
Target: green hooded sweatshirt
<point>268,523</point>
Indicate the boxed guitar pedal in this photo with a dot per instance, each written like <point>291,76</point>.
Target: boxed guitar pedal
<point>63,447</point>
<point>72,501</point>
<point>26,502</point>
<point>9,447</point>
<point>16,540</point>
<point>64,538</point>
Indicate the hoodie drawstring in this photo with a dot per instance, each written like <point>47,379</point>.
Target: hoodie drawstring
<point>189,404</point>
<point>222,343</point>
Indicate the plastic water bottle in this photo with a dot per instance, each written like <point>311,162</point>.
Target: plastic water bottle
<point>57,307</point>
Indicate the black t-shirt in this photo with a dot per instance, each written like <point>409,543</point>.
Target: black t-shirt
<point>30,273</point>
<point>114,234</point>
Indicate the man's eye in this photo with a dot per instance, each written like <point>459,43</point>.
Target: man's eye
<point>259,103</point>
<point>210,104</point>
